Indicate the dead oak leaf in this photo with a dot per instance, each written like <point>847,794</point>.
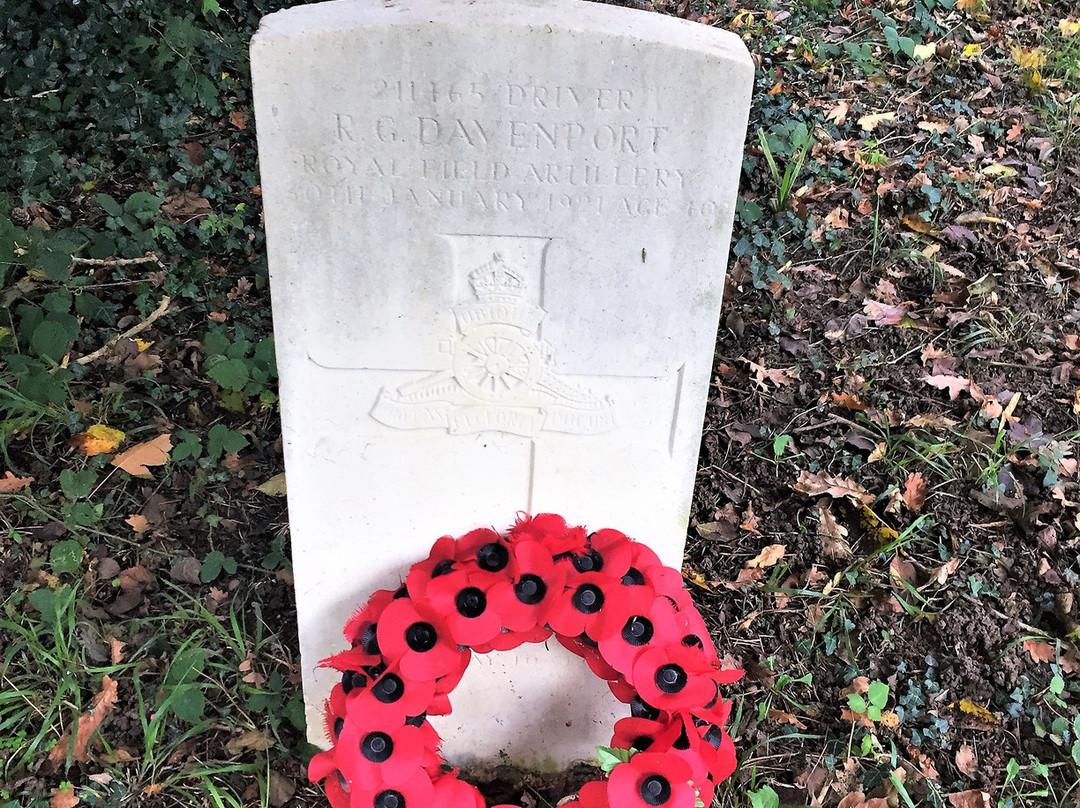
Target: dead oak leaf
<point>85,726</point>
<point>966,761</point>
<point>1040,651</point>
<point>941,574</point>
<point>9,483</point>
<point>64,797</point>
<point>780,717</point>
<point>969,799</point>
<point>767,557</point>
<point>138,522</point>
<point>814,484</point>
<point>884,313</point>
<point>136,460</point>
<point>185,205</point>
<point>954,384</point>
<point>915,491</point>
<point>252,739</point>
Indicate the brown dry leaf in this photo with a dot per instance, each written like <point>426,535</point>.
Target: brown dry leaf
<point>814,484</point>
<point>282,789</point>
<point>251,676</point>
<point>274,487</point>
<point>954,384</point>
<point>85,726</point>
<point>870,122</point>
<point>780,717</point>
<point>1040,651</point>
<point>884,313</point>
<point>778,376</point>
<point>941,574</point>
<point>150,453</point>
<point>973,709</point>
<point>116,650</point>
<point>138,522</point>
<point>890,719</point>
<point>152,789</point>
<point>767,557</point>
<point>239,118</point>
<point>848,401</point>
<point>185,205</point>
<point>904,570</point>
<point>966,761</point>
<point>838,114</point>
<point>98,439</point>
<point>930,420</point>
<point>969,799</point>
<point>64,797</point>
<point>750,521</point>
<point>252,739</point>
<point>860,718</point>
<point>9,483</point>
<point>915,491</point>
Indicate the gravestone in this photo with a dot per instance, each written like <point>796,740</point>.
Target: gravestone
<point>497,234</point>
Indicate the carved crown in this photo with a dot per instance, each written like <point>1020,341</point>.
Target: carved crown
<point>496,281</point>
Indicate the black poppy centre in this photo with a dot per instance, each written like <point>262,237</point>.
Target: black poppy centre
<point>377,747</point>
<point>637,631</point>
<point>588,599</point>
<point>470,602</point>
<point>670,678</point>
<point>655,790</point>
<point>421,637</point>
<point>530,590</point>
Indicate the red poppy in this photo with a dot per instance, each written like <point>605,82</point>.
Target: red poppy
<point>607,551</point>
<point>673,677</point>
<point>390,699</point>
<point>376,758</point>
<point>524,600</point>
<point>550,529</point>
<point>646,569</point>
<point>453,793</point>
<point>651,781</point>
<point>581,609</point>
<point>337,791</point>
<point>509,640</point>
<point>360,629</point>
<point>649,625</point>
<point>414,792</point>
<point>593,795</point>
<point>718,750</point>
<point>640,733</point>
<point>441,560</point>
<point>418,639</point>
<point>462,600</point>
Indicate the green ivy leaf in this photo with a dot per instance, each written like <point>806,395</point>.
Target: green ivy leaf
<point>764,797</point>
<point>856,702</point>
<point>214,563</point>
<point>211,7</point>
<point>50,339</point>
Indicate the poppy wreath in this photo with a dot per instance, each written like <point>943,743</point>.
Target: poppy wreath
<point>603,596</point>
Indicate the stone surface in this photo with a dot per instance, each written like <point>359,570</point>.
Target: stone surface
<point>497,237</point>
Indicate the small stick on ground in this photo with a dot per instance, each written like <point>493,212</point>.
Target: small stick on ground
<point>157,313</point>
<point>149,258</point>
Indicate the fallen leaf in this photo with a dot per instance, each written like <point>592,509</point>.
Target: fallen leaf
<point>966,761</point>
<point>282,789</point>
<point>922,52</point>
<point>185,205</point>
<point>186,570</point>
<point>98,439</point>
<point>767,557</point>
<point>252,739</point>
<point>1069,27</point>
<point>85,726</point>
<point>915,491</point>
<point>116,650</point>
<point>64,797</point>
<point>152,789</point>
<point>150,453</point>
<point>870,122</point>
<point>1040,651</point>
<point>969,799</point>
<point>813,484</point>
<point>848,401</point>
<point>239,118</point>
<point>9,483</point>
<point>780,717</point>
<point>941,574</point>
<point>901,569</point>
<point>954,384</point>
<point>138,522</point>
<point>274,487</point>
<point>973,709</point>
<point>838,114</point>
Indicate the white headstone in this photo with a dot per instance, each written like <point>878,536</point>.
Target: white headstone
<point>498,232</point>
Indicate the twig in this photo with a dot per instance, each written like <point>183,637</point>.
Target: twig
<point>131,332</point>
<point>149,258</point>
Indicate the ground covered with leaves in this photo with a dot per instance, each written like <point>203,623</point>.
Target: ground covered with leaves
<point>885,530</point>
